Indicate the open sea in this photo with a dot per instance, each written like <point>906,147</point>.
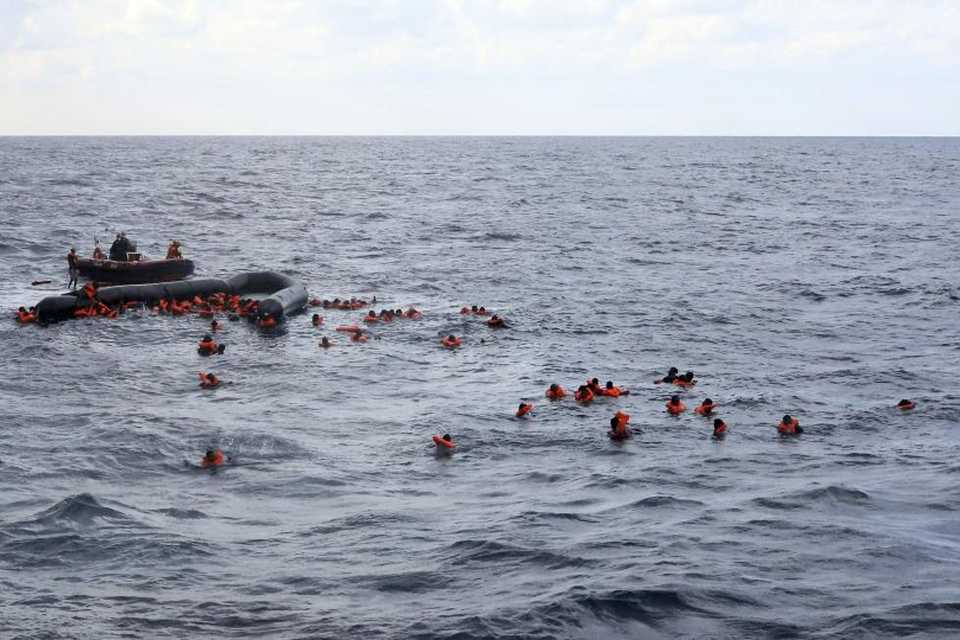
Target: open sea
<point>818,277</point>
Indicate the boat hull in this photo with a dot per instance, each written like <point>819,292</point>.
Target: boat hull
<point>141,272</point>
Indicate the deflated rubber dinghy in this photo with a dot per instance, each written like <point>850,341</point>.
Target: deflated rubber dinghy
<point>135,271</point>
<point>284,295</point>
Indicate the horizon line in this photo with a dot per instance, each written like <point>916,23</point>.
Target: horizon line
<point>465,135</point>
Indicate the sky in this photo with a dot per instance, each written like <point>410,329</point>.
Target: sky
<point>480,67</point>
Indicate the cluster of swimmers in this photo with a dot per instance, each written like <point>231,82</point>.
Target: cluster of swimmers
<point>674,406</point>
<point>238,307</point>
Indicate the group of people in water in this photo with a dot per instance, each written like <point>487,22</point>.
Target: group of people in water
<point>236,307</point>
<point>618,426</point>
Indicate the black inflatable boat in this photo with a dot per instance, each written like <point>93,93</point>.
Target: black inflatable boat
<point>134,271</point>
<point>284,295</point>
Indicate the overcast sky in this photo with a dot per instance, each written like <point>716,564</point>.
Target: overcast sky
<point>634,67</point>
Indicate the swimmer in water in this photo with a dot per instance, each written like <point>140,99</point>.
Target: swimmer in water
<point>706,408</point>
<point>524,409</point>
<point>719,428</point>
<point>789,426</point>
<point>214,325</point>
<point>670,377</point>
<point>906,405</point>
<point>614,392</point>
<point>324,342</point>
<point>555,392</point>
<point>316,320</point>
<point>214,458</point>
<point>675,407</point>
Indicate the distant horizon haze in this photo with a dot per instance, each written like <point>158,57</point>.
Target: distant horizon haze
<point>504,68</point>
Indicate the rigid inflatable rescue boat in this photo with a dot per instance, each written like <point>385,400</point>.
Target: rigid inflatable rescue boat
<point>134,271</point>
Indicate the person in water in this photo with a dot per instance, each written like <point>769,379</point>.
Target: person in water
<point>705,408</point>
<point>675,407</point>
<point>583,394</point>
<point>73,266</point>
<point>906,405</point>
<point>496,322</point>
<point>614,392</point>
<point>214,458</point>
<point>524,409</point>
<point>214,325</point>
<point>670,377</point>
<point>555,392</point>
<point>595,387</point>
<point>789,426</point>
<point>209,381</point>
<point>316,320</point>
<point>325,342</point>
<point>719,428</point>
<point>618,426</point>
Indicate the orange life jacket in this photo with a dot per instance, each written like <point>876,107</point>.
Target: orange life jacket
<point>90,291</point>
<point>371,319</point>
<point>720,429</point>
<point>788,428</point>
<point>440,442</point>
<point>675,409</point>
<point>358,337</point>
<point>451,344</point>
<point>524,409</point>
<point>218,459</point>
<point>906,406</point>
<point>207,345</point>
<point>556,395</point>
<point>25,317</point>
<point>495,322</point>
<point>684,384</point>
<point>206,383</point>
<point>704,409</point>
<point>268,322</point>
<point>583,397</point>
<point>612,392</point>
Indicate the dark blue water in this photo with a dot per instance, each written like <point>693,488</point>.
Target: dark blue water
<point>817,277</point>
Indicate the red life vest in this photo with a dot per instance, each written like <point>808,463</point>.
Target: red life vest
<point>788,428</point>
<point>218,459</point>
<point>675,409</point>
<point>556,395</point>
<point>524,409</point>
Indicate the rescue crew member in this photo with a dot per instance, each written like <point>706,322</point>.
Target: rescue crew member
<point>73,265</point>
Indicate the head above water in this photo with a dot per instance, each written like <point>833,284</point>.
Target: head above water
<point>674,399</point>
<point>210,454</point>
<point>688,376</point>
<point>207,338</point>
<point>707,401</point>
<point>786,419</point>
<point>447,437</point>
<point>717,423</point>
<point>609,384</point>
<point>673,371</point>
<point>474,308</point>
<point>553,387</point>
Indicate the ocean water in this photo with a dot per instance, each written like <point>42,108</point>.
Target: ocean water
<point>816,277</point>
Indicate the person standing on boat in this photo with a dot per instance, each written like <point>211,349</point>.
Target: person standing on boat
<point>173,251</point>
<point>74,267</point>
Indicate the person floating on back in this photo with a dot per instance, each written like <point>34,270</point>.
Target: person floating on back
<point>675,407</point>
<point>906,405</point>
<point>719,428</point>
<point>524,409</point>
<point>706,408</point>
<point>555,392</point>
<point>670,377</point>
<point>213,458</point>
<point>789,426</point>
<point>618,426</point>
